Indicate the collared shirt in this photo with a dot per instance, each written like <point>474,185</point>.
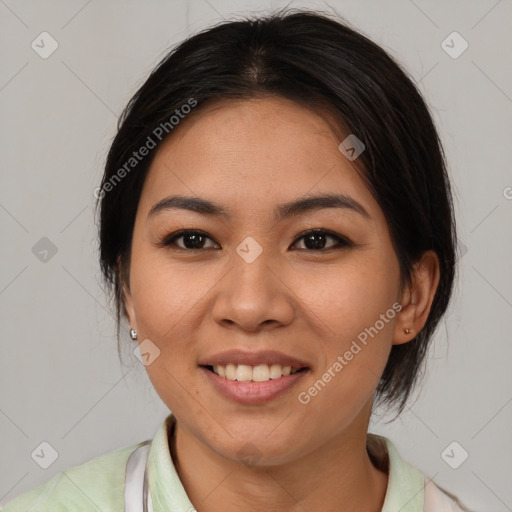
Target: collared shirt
<point>99,484</point>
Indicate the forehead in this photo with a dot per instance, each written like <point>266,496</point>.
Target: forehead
<point>253,154</point>
<point>254,123</point>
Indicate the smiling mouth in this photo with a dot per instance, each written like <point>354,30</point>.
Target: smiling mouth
<point>257,373</point>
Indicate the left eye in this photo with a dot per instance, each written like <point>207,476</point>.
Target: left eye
<point>315,239</point>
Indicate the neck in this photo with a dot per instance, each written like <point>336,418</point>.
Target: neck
<point>339,472</point>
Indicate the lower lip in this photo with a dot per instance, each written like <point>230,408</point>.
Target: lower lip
<point>249,392</point>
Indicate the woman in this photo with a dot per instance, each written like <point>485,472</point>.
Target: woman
<point>277,228</point>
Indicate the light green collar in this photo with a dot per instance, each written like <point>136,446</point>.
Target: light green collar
<point>404,491</point>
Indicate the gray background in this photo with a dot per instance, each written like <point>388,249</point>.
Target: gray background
<point>61,380</point>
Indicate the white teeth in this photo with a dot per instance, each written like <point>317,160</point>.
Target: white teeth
<point>230,372</point>
<point>243,372</point>
<point>275,371</point>
<point>259,373</point>
<point>220,370</point>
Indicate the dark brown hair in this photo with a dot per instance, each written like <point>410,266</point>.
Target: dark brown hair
<point>317,61</point>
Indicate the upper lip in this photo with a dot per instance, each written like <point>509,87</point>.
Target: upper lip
<point>269,357</point>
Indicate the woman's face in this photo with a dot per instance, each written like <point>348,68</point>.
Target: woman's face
<point>252,291</point>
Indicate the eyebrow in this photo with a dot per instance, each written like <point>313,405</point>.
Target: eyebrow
<point>283,211</point>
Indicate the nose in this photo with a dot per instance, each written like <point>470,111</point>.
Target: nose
<point>254,295</point>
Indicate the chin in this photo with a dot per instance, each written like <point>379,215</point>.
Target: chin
<point>255,451</point>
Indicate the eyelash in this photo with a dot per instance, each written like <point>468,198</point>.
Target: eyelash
<point>342,242</point>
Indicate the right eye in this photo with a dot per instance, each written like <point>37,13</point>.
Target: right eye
<point>193,238</point>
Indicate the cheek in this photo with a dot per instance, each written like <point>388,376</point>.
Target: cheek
<point>166,294</point>
<point>350,297</point>
<point>351,310</point>
<point>167,302</point>
<point>350,364</point>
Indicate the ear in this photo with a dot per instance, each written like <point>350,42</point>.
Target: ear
<point>417,300</point>
<point>128,307</point>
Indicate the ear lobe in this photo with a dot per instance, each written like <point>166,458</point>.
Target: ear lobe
<point>417,300</point>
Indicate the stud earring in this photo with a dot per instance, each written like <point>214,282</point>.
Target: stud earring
<point>407,331</point>
<point>133,334</point>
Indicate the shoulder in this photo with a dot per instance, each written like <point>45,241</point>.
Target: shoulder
<point>438,499</point>
<point>97,484</point>
<point>405,482</point>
